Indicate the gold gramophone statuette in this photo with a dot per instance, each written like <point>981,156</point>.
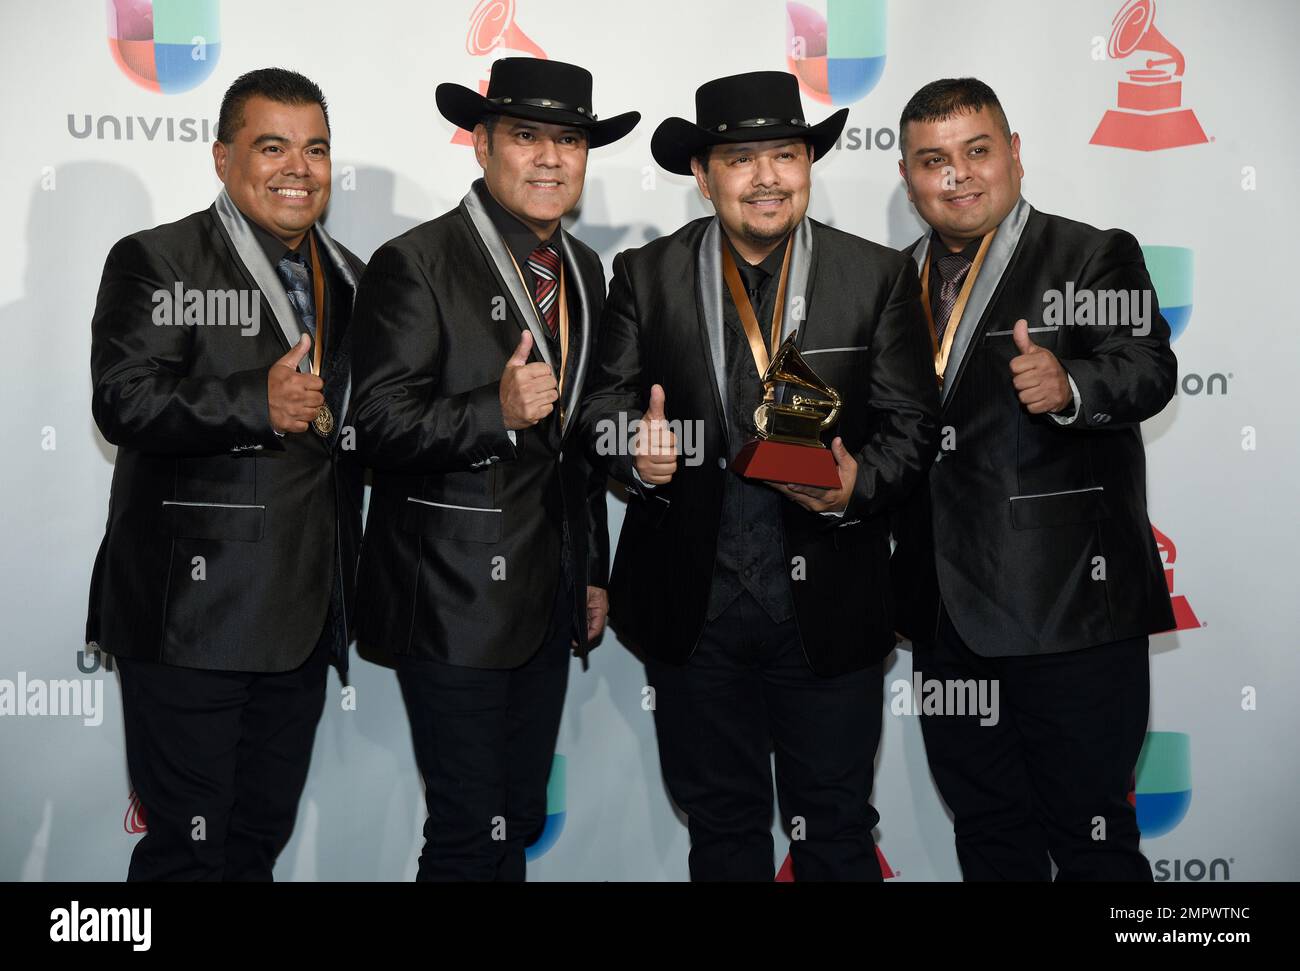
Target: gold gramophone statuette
<point>790,447</point>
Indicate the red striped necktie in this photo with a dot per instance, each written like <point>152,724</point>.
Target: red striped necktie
<point>545,264</point>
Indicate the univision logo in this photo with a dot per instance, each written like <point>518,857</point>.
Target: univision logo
<point>1162,796</point>
<point>555,811</point>
<point>168,46</point>
<point>837,56</point>
<point>1164,782</point>
<point>1171,274</point>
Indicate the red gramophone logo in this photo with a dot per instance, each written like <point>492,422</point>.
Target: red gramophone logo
<point>492,28</point>
<point>786,873</point>
<point>1150,115</point>
<point>134,820</point>
<point>1184,617</point>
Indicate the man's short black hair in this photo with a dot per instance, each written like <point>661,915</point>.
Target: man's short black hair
<point>276,83</point>
<point>946,97</point>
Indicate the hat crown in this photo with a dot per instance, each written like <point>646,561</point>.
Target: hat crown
<point>534,79</point>
<point>771,96</point>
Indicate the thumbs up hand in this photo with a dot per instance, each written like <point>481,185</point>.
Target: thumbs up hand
<point>293,397</point>
<point>1037,375</point>
<point>655,449</point>
<point>528,392</point>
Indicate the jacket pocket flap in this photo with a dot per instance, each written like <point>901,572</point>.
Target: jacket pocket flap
<point>214,520</point>
<point>1059,508</point>
<point>437,520</point>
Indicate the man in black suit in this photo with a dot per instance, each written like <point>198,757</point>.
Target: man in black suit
<point>761,608</point>
<point>1029,561</point>
<point>219,356</point>
<point>485,556</point>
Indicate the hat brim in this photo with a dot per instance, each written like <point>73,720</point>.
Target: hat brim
<point>465,108</point>
<point>676,141</point>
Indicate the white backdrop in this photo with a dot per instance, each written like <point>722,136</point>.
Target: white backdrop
<point>1222,465</point>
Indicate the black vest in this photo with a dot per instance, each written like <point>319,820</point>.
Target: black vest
<point>751,554</point>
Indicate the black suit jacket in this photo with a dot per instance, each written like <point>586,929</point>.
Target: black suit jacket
<point>223,539</point>
<point>1034,534</point>
<point>467,534</point>
<point>863,319</point>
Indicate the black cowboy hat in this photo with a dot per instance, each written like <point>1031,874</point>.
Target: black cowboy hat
<point>539,90</point>
<point>758,106</point>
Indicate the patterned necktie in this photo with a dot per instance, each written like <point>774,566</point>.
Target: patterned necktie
<point>952,270</point>
<point>296,276</point>
<point>545,264</point>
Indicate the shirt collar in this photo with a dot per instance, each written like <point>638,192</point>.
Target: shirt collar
<point>274,249</point>
<point>519,239</point>
<point>757,274</point>
<point>938,248</point>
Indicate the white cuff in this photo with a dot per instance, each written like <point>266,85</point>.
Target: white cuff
<point>1074,412</point>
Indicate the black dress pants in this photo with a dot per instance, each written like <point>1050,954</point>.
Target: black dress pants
<point>218,760</point>
<point>1051,777</point>
<point>484,742</point>
<point>745,692</point>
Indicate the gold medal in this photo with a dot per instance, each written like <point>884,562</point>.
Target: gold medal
<point>323,422</point>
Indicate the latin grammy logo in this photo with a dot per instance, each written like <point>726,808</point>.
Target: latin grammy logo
<point>134,822</point>
<point>491,27</point>
<point>1184,617</point>
<point>1150,115</point>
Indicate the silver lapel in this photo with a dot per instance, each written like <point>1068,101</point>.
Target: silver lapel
<point>340,262</point>
<point>263,273</point>
<point>996,262</point>
<point>710,284</point>
<point>793,316</point>
<point>577,370</point>
<point>918,254</point>
<point>505,265</point>
<point>795,312</point>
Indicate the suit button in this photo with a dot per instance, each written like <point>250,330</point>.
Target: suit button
<point>722,463</point>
